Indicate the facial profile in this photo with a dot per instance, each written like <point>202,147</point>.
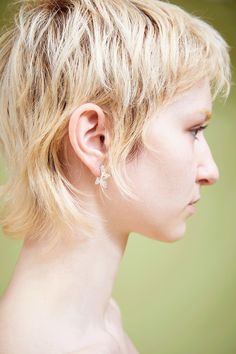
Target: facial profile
<point>168,176</point>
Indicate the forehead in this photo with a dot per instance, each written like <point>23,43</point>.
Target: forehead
<point>195,102</point>
<point>199,94</point>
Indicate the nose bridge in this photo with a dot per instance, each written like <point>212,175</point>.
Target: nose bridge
<point>208,172</point>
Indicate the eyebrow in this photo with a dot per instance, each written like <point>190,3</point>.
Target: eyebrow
<point>208,116</point>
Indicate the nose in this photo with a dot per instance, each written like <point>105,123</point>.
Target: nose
<point>207,172</point>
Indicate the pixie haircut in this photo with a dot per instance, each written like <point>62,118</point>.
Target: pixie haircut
<point>130,57</point>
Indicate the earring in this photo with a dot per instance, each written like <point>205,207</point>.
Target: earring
<point>102,178</point>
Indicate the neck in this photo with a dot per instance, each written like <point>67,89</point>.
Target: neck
<point>75,284</point>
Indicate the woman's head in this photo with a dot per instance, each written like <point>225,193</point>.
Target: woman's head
<point>129,58</point>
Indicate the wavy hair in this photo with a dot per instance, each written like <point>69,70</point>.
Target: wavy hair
<point>130,57</point>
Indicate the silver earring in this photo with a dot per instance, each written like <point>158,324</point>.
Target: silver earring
<point>102,178</point>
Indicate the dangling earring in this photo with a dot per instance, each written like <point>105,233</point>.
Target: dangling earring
<point>102,178</point>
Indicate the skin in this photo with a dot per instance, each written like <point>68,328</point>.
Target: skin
<point>69,292</point>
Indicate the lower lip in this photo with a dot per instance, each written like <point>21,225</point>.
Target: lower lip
<point>191,208</point>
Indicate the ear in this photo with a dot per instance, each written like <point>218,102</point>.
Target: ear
<point>88,135</point>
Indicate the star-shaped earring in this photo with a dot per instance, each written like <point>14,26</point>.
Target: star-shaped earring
<point>102,178</point>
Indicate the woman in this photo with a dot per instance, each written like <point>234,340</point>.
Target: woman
<point>103,106</point>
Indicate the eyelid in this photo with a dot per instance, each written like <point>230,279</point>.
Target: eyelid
<point>201,127</point>
<point>198,128</point>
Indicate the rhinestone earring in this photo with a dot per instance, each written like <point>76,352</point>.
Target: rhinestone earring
<point>102,178</point>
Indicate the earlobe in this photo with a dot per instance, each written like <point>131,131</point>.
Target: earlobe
<point>87,131</point>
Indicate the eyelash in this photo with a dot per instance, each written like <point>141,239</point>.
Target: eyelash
<point>197,130</point>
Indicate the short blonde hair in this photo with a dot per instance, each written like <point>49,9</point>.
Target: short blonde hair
<point>130,57</point>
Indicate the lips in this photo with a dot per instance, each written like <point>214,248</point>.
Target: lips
<point>195,200</point>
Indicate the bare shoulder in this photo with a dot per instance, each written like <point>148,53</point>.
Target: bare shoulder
<point>118,342</point>
<point>115,308</point>
<point>130,346</point>
<point>101,348</point>
<point>96,350</point>
<point>116,315</point>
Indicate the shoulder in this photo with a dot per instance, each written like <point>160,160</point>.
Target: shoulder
<point>101,348</point>
<point>109,345</point>
<point>114,309</point>
<point>130,348</point>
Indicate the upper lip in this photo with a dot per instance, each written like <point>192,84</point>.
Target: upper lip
<point>195,200</point>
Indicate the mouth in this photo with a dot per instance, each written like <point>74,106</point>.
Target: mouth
<point>195,201</point>
<point>191,206</point>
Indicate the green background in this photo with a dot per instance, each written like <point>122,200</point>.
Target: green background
<point>180,298</point>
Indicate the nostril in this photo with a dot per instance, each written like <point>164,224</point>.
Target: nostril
<point>207,181</point>
<point>204,182</point>
<point>207,175</point>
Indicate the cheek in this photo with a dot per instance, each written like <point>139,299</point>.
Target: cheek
<point>164,183</point>
<point>168,172</point>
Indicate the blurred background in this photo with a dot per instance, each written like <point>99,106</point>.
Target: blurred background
<point>180,298</point>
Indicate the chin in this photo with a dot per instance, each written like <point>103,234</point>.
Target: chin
<point>168,236</point>
<point>175,234</point>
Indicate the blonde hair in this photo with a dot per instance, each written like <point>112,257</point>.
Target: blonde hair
<point>130,57</point>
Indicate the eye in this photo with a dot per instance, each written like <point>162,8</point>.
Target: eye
<point>195,131</point>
